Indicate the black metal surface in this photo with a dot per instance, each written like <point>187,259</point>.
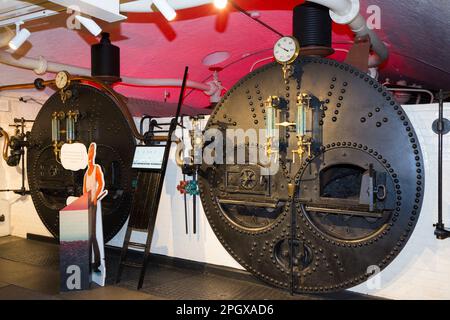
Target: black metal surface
<point>102,122</point>
<point>365,134</point>
<point>31,252</point>
<point>105,59</point>
<point>312,25</point>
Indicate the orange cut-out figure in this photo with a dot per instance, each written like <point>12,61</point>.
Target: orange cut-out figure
<point>93,185</point>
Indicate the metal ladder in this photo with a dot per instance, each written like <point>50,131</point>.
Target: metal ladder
<point>146,198</point>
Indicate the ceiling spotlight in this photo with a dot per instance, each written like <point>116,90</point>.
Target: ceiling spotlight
<point>166,10</point>
<point>89,24</point>
<point>20,37</point>
<point>220,4</point>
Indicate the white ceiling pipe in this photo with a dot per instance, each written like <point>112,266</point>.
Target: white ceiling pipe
<point>339,7</point>
<point>41,66</point>
<point>146,5</point>
<point>165,83</point>
<point>347,12</point>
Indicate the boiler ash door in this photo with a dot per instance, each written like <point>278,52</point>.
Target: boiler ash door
<point>357,195</point>
<point>100,121</point>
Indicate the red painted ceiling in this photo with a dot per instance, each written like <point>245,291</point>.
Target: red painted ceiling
<point>154,48</point>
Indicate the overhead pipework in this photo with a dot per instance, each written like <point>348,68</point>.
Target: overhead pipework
<point>41,66</point>
<point>348,12</point>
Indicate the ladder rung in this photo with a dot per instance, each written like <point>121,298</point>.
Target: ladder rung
<point>160,138</point>
<point>138,229</point>
<point>131,264</point>
<point>136,244</point>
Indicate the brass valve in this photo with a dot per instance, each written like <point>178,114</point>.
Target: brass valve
<point>287,72</point>
<point>302,144</point>
<point>269,150</point>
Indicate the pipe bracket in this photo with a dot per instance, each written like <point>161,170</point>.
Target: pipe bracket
<point>42,67</point>
<point>445,126</point>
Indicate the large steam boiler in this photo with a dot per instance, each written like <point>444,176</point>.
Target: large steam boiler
<point>356,194</point>
<point>99,118</point>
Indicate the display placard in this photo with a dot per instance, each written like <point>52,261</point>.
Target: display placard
<point>74,156</point>
<point>148,157</point>
<point>75,245</point>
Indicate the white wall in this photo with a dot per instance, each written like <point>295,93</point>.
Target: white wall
<point>170,233</point>
<point>421,271</point>
<point>23,216</point>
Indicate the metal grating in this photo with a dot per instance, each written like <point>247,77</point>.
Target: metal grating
<point>31,252</point>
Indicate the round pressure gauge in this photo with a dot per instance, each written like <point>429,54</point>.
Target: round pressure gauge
<point>62,80</point>
<point>286,50</point>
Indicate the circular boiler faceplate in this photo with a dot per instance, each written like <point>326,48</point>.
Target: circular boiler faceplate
<point>357,196</point>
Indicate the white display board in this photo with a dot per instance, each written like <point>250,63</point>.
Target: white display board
<point>148,157</point>
<point>74,156</point>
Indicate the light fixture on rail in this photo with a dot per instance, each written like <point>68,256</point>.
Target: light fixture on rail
<point>220,4</point>
<point>20,37</point>
<point>90,25</point>
<point>166,10</point>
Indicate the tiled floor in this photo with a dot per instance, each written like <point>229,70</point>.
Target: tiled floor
<point>29,270</point>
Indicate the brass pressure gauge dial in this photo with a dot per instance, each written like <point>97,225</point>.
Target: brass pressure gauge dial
<point>62,80</point>
<point>286,50</point>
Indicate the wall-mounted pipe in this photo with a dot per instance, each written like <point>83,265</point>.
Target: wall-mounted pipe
<point>348,12</point>
<point>5,134</point>
<point>41,66</point>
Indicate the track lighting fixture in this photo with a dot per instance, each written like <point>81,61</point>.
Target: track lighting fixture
<point>166,10</point>
<point>20,37</point>
<point>89,24</point>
